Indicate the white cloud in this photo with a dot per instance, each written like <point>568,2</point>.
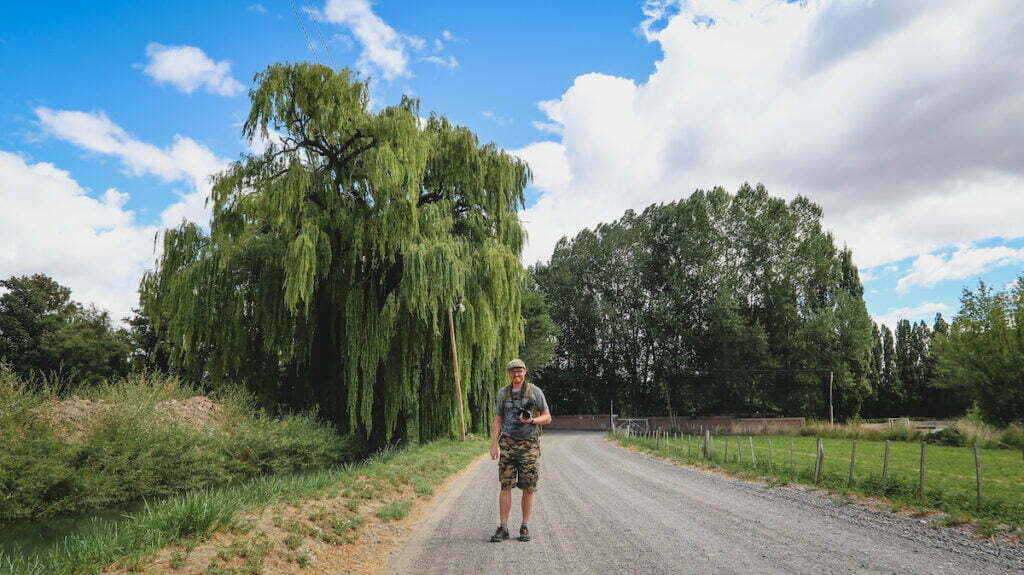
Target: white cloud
<point>549,165</point>
<point>416,42</point>
<point>929,269</point>
<point>383,47</point>
<point>184,161</point>
<point>50,225</point>
<point>901,119</point>
<point>924,312</point>
<point>257,8</point>
<point>448,36</point>
<point>188,68</point>
<point>450,62</point>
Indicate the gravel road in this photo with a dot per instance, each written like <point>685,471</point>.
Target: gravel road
<point>604,509</point>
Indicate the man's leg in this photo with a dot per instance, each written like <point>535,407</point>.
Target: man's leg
<point>505,504</point>
<point>527,505</point>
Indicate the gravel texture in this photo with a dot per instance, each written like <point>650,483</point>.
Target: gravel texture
<point>604,509</point>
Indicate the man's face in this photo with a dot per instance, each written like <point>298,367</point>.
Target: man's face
<point>516,375</point>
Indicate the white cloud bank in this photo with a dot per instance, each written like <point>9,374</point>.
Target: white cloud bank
<point>966,261</point>
<point>188,68</point>
<point>184,161</point>
<point>901,119</point>
<point>924,312</point>
<point>51,225</point>
<point>92,245</point>
<point>384,48</point>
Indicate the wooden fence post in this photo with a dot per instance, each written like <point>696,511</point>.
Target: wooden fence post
<point>819,462</point>
<point>689,445</point>
<point>885,463</point>
<point>753,456</point>
<point>771,457</point>
<point>707,443</point>
<point>977,471</point>
<point>725,450</point>
<point>853,463</point>
<point>920,481</point>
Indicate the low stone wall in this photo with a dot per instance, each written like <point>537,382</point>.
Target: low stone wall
<point>716,424</point>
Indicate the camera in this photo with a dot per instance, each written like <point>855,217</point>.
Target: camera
<point>526,411</point>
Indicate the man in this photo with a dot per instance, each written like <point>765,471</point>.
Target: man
<point>514,436</point>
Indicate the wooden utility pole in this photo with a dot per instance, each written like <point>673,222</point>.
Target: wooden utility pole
<point>458,381</point>
<point>831,412</point>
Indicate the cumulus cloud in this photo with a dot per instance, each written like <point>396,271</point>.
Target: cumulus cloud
<point>929,269</point>
<point>184,161</point>
<point>924,312</point>
<point>51,225</point>
<point>383,47</point>
<point>450,62</point>
<point>900,119</point>
<point>188,68</point>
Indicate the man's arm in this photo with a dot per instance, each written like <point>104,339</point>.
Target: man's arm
<point>495,432</point>
<point>543,419</point>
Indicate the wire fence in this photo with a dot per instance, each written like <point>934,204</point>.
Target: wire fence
<point>984,482</point>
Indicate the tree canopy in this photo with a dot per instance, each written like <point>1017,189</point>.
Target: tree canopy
<point>982,354</point>
<point>43,332</point>
<point>715,304</point>
<point>333,256</point>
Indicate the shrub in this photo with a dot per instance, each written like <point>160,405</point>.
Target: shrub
<point>1013,436</point>
<point>122,443</point>
<point>947,436</point>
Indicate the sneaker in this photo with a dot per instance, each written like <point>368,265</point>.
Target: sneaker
<point>524,534</point>
<point>499,535</point>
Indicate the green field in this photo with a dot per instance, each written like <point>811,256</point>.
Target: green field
<point>950,483</point>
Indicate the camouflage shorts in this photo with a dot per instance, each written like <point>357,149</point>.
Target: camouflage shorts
<point>519,464</point>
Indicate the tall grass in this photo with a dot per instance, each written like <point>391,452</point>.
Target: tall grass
<point>128,448</point>
<point>964,431</point>
<point>198,513</point>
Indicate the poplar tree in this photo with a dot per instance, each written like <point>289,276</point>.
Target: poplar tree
<point>333,257</point>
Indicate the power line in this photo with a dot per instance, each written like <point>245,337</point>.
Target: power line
<point>310,45</point>
<point>323,42</point>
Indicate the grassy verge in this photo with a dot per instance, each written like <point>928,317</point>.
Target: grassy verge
<point>949,479</point>
<point>124,441</point>
<point>198,514</point>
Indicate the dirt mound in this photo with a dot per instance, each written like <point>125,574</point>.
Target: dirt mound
<point>196,412</point>
<point>71,418</point>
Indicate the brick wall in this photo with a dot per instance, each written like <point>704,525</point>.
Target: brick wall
<point>715,424</point>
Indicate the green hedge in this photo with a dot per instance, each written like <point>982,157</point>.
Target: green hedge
<point>128,450</point>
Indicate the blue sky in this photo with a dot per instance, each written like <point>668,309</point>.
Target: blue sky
<point>113,114</point>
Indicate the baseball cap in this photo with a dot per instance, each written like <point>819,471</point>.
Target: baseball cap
<point>516,363</point>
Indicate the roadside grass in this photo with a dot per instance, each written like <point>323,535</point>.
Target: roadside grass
<point>950,484</point>
<point>115,444</point>
<point>194,516</point>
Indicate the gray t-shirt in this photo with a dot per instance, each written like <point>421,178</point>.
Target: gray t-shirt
<point>509,409</point>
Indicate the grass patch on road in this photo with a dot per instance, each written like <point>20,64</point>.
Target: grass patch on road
<point>950,484</point>
<point>197,515</point>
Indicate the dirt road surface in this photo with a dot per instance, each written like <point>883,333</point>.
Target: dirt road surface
<point>604,509</point>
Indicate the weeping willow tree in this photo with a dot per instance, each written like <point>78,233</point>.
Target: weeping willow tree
<point>333,256</point>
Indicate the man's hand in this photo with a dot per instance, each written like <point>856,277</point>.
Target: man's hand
<point>494,451</point>
<point>525,419</point>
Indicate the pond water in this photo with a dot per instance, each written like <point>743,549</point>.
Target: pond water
<point>37,536</point>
